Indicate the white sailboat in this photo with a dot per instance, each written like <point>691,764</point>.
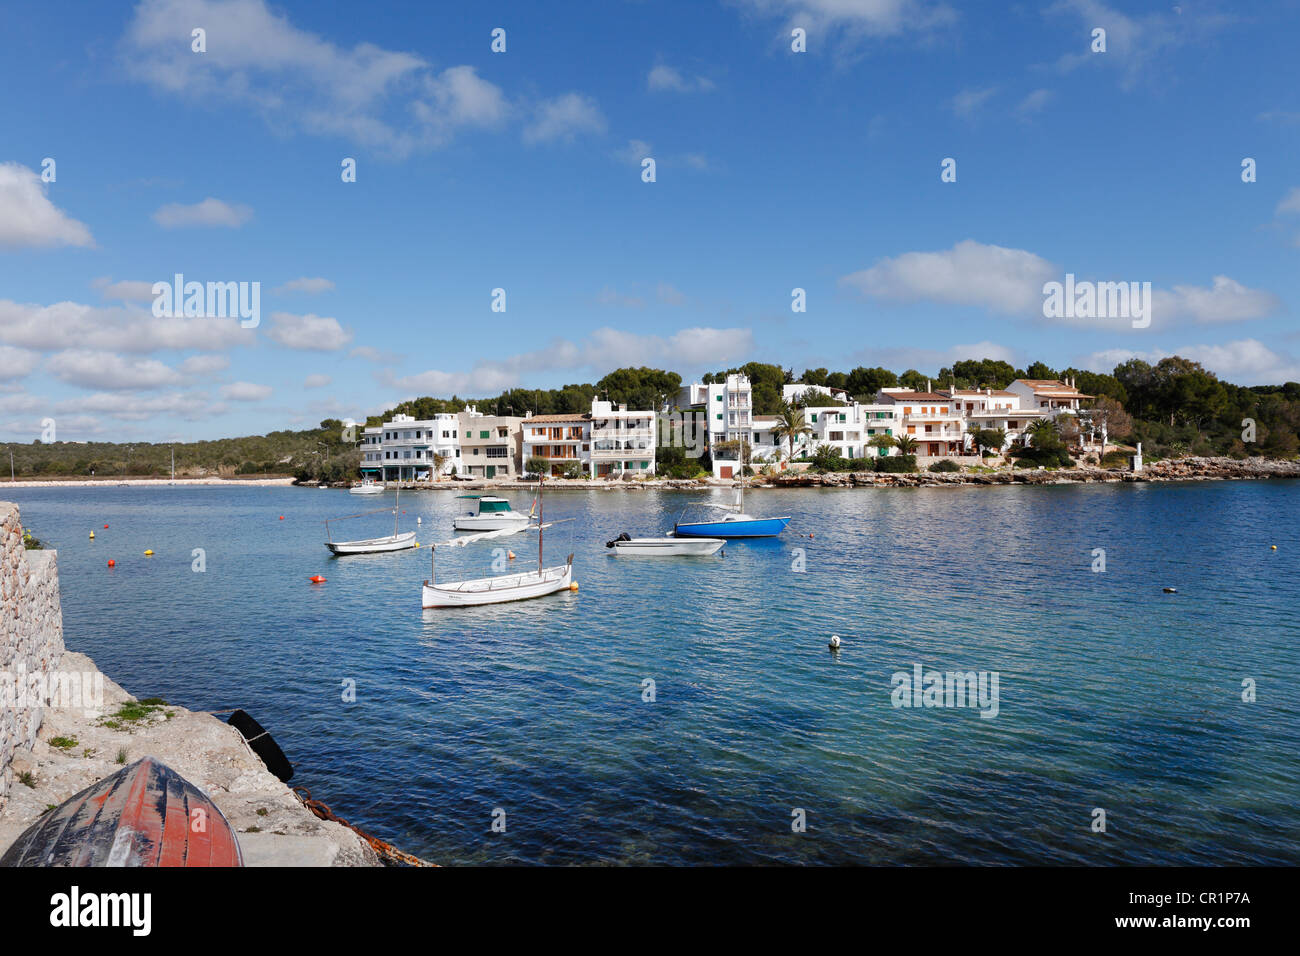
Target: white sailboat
<point>389,542</point>
<point>504,587</point>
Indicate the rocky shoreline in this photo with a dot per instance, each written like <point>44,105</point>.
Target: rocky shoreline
<point>1180,469</point>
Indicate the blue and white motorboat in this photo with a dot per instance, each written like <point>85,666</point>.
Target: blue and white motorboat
<point>735,525</point>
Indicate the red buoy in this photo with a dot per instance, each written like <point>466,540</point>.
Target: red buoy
<point>316,579</point>
<point>105,526</point>
<point>281,517</point>
<point>112,563</point>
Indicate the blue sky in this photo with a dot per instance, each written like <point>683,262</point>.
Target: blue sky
<point>522,171</point>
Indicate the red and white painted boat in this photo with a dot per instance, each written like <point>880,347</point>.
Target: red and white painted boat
<point>144,815</point>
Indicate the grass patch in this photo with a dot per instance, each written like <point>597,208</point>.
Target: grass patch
<point>63,743</point>
<point>27,779</point>
<point>133,712</point>
<point>121,755</point>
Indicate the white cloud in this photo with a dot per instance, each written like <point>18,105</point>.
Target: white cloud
<point>1290,202</point>
<point>192,406</point>
<point>1010,281</point>
<point>245,392</point>
<point>71,325</point>
<point>603,350</point>
<point>1035,102</point>
<point>669,295</point>
<point>15,363</point>
<point>209,212</point>
<point>125,291</point>
<point>611,296</point>
<point>635,151</point>
<point>1243,362</point>
<point>667,78</point>
<point>563,117</point>
<point>311,333</point>
<point>108,370</point>
<point>28,218</point>
<point>316,381</point>
<point>970,273</point>
<point>309,286</point>
<point>389,100</point>
<point>859,18</point>
<point>968,102</point>
<point>205,365</point>
<point>1227,301</point>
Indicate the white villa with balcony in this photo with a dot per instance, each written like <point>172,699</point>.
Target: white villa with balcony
<point>607,442</point>
<point>404,448</point>
<point>931,418</point>
<point>1047,398</point>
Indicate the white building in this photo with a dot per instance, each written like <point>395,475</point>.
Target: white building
<point>930,418</point>
<point>607,442</point>
<point>404,448</point>
<point>793,394</point>
<point>847,429</point>
<point>987,409</point>
<point>1047,398</point>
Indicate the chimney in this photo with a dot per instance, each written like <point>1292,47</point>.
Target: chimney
<point>927,384</point>
<point>988,391</point>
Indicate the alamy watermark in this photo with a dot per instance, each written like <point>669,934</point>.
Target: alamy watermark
<point>213,300</point>
<point>1098,300</point>
<point>922,688</point>
<point>56,690</point>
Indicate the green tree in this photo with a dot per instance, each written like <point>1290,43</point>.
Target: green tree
<point>790,426</point>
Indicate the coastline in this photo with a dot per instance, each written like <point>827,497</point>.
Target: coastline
<point>1174,469</point>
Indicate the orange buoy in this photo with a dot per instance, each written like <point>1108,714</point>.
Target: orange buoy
<point>573,586</point>
<point>281,517</point>
<point>105,526</point>
<point>316,579</point>
<point>112,563</point>
<point>510,555</point>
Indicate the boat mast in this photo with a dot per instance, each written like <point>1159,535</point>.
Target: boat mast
<point>397,501</point>
<point>541,521</point>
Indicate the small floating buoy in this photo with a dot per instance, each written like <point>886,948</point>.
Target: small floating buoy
<point>417,544</point>
<point>316,579</point>
<point>1171,590</point>
<point>811,535</point>
<point>510,555</point>
<point>1274,546</point>
<point>112,563</point>
<point>419,520</point>
<point>149,553</point>
<point>105,526</point>
<point>573,585</point>
<point>835,642</point>
<point>281,517</point>
<point>92,536</point>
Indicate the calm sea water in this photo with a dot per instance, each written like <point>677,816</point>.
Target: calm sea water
<point>1113,694</point>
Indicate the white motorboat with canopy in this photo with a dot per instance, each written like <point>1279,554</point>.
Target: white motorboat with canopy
<point>500,588</point>
<point>490,514</point>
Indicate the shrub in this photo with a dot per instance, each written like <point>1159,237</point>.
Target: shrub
<point>1050,457</point>
<point>946,465</point>
<point>895,464</point>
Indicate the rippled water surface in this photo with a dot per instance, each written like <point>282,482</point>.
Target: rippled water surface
<point>1113,694</point>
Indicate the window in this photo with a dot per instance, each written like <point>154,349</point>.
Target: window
<point>483,434</point>
<point>719,416</point>
<point>497,452</point>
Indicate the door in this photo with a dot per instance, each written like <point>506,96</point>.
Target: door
<point>491,471</point>
<point>725,471</point>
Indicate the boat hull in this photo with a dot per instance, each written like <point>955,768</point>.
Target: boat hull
<point>392,542</point>
<point>666,547</point>
<point>744,528</point>
<point>143,815</point>
<point>499,590</point>
<point>489,522</point>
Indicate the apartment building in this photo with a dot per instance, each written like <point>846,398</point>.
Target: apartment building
<point>1047,398</point>
<point>728,407</point>
<point>985,408</point>
<point>607,442</point>
<point>490,445</point>
<point>409,449</point>
<point>931,418</point>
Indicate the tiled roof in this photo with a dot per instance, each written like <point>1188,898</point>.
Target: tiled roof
<point>548,419</point>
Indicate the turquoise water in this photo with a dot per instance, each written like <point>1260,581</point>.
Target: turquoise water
<point>1113,694</point>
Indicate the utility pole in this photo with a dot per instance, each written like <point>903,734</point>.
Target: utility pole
<point>12,479</point>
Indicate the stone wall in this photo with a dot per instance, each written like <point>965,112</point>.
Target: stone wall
<point>31,637</point>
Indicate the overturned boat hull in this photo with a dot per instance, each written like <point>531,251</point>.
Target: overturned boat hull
<point>144,815</point>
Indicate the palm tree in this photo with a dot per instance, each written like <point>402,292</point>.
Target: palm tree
<point>1041,430</point>
<point>905,444</point>
<point>790,425</point>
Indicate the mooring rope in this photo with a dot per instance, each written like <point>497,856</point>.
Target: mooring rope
<point>387,853</point>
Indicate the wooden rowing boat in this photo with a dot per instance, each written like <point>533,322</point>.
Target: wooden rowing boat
<point>146,814</point>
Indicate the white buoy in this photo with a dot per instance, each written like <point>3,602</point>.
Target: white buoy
<point>419,520</point>
<point>835,642</point>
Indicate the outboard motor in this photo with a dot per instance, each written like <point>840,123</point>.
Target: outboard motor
<point>622,537</point>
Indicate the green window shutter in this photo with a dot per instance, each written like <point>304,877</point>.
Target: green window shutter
<point>482,434</point>
<point>814,419</point>
<point>719,416</point>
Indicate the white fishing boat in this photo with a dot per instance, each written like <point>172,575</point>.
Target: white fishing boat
<point>489,514</point>
<point>397,541</point>
<point>662,547</point>
<point>367,487</point>
<point>500,588</point>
